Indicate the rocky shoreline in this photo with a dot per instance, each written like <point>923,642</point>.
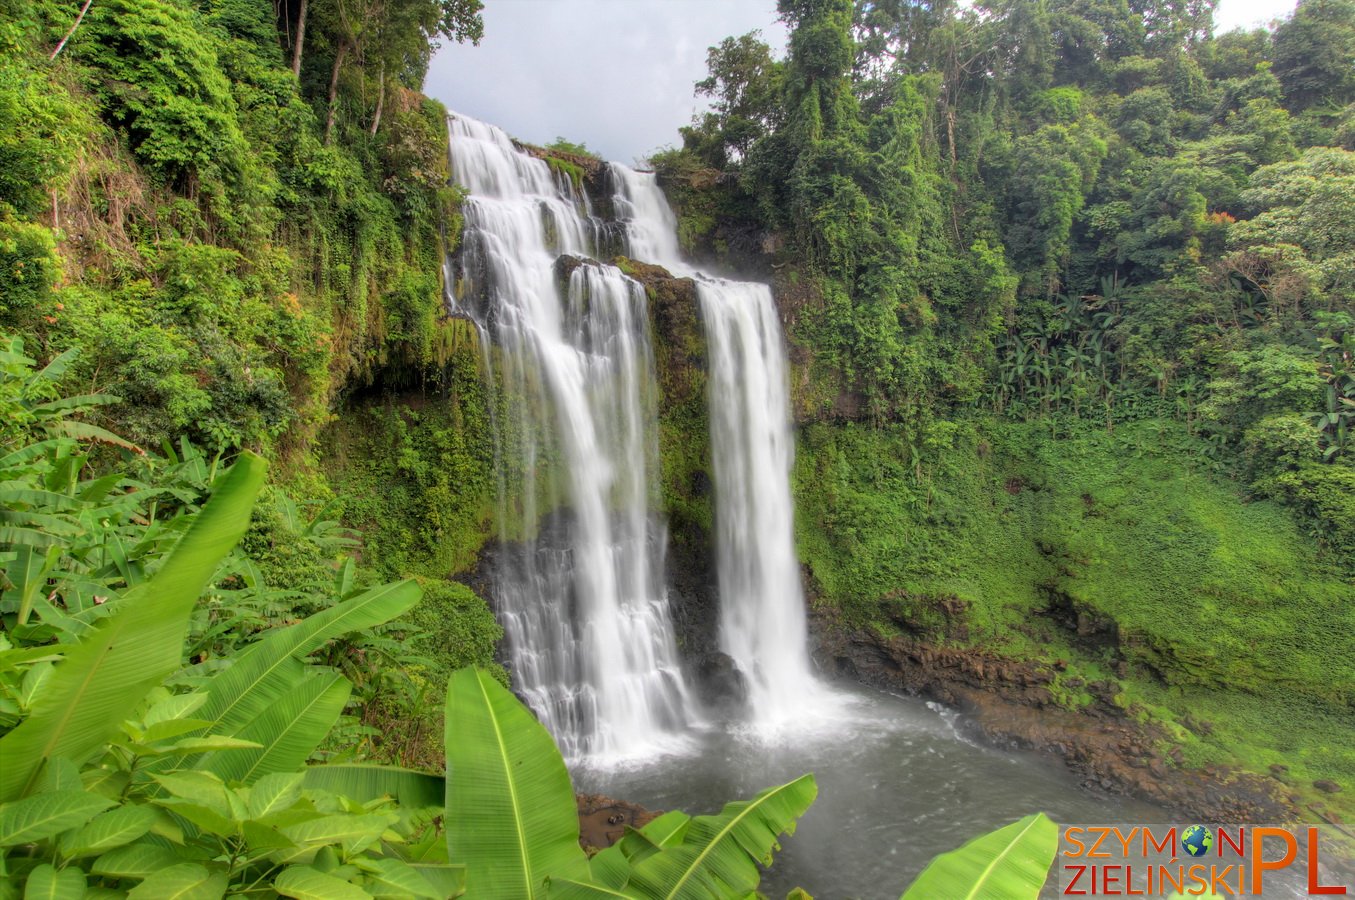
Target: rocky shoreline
<point>1008,703</point>
<point>603,820</point>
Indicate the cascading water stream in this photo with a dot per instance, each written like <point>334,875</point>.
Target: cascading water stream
<point>762,608</point>
<point>582,600</point>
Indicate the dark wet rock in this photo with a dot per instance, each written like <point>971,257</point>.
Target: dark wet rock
<point>692,604</point>
<point>603,820</point>
<point>565,265</point>
<point>1327,787</point>
<point>720,684</point>
<point>679,335</point>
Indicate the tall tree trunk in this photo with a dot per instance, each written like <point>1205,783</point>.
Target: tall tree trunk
<point>380,100</point>
<point>334,90</point>
<point>300,40</point>
<point>78,19</point>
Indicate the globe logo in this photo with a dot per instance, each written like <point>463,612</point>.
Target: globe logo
<point>1197,839</point>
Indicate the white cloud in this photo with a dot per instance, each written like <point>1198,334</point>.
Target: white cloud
<point>614,74</point>
<point>1248,14</point>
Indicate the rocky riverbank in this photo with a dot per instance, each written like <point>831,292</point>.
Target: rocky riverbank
<point>1009,703</point>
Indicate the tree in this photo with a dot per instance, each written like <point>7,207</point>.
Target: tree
<point>1315,54</point>
<point>1304,222</point>
<point>392,36</point>
<point>745,84</point>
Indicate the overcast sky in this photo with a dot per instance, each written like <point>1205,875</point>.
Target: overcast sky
<point>617,75</point>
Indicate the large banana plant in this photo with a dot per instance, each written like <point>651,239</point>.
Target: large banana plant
<point>512,818</point>
<point>270,696</point>
<point>132,650</point>
<point>511,813</point>
<point>123,782</point>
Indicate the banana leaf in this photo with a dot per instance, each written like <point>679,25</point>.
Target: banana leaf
<point>134,648</point>
<point>269,668</point>
<point>719,854</point>
<point>364,783</point>
<point>1010,863</point>
<point>511,813</point>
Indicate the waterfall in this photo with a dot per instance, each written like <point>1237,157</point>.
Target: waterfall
<point>567,348</point>
<point>762,604</point>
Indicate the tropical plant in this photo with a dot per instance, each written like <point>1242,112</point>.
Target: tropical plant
<point>511,816</point>
<point>151,753</point>
<point>118,777</point>
<point>1011,862</point>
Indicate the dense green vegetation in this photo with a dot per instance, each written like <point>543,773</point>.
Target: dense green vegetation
<point>1070,289</point>
<point>236,225</point>
<point>1110,213</point>
<point>153,759</point>
<point>230,245</point>
<point>1103,556</point>
<point>156,723</point>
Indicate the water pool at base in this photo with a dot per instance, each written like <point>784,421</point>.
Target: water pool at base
<point>898,784</point>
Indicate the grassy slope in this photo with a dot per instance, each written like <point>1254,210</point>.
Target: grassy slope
<point>1214,615</point>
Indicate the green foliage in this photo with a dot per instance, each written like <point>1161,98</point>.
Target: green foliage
<point>1106,555</point>
<point>222,269</point>
<point>38,144</point>
<point>1315,54</point>
<point>28,268</point>
<point>131,650</point>
<point>567,146</point>
<point>164,85</point>
<point>744,84</point>
<point>1305,206</point>
<point>1010,862</point>
<point>127,769</point>
<point>511,813</point>
<point>717,856</point>
<point>510,804</point>
<point>418,482</point>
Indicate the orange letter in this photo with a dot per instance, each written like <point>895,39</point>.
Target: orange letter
<point>1168,842</point>
<point>1071,837</point>
<point>1258,846</point>
<point>1125,840</point>
<point>1313,886</point>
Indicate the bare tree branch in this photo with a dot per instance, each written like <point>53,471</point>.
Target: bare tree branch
<point>78,19</point>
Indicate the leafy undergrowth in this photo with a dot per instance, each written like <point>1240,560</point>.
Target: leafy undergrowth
<point>1108,554</point>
